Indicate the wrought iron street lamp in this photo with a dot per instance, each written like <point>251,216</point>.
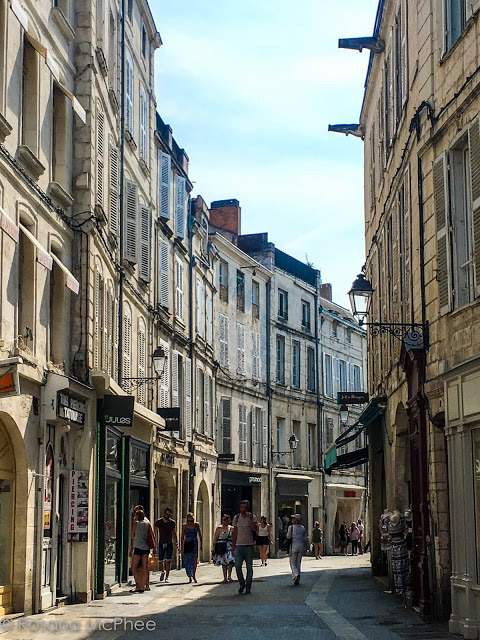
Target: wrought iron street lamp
<point>344,414</point>
<point>159,360</point>
<point>413,334</point>
<point>293,443</point>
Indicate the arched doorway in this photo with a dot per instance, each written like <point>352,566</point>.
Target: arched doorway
<point>202,515</point>
<point>7,503</point>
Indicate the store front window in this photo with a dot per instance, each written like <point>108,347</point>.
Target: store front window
<point>112,508</point>
<point>476,467</point>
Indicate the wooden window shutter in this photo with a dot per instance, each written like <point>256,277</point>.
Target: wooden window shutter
<point>129,95</point>
<point>100,155</point>
<point>174,371</point>
<point>143,124</point>
<point>396,265</point>
<point>404,50</point>
<point>109,331</point>
<point>131,206</point>
<point>165,173</point>
<point>188,399</point>
<point>474,149</point>
<point>197,399</point>
<point>264,438</point>
<point>164,382</point>
<point>164,273</point>
<point>441,201</point>
<point>145,243</point>
<point>113,192</point>
<point>116,311</point>
<point>226,418</point>
<point>200,310</point>
<point>209,317</point>
<point>240,348</point>
<point>96,322</point>
<point>254,437</point>
<point>141,355</point>
<point>105,332</point>
<point>223,340</point>
<point>127,347</point>
<point>179,288</point>
<point>242,433</point>
<point>255,355</point>
<point>180,207</point>
<point>407,249</point>
<point>207,385</point>
<point>213,408</point>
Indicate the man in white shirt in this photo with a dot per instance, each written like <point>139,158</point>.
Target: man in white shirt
<point>360,528</point>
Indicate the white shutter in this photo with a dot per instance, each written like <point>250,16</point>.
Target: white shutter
<point>404,51</point>
<point>264,438</point>
<point>164,381</point>
<point>226,418</point>
<point>207,386</point>
<point>96,322</point>
<point>179,288</point>
<point>474,149</point>
<point>116,312</point>
<point>254,435</point>
<point>141,361</point>
<point>143,124</point>
<point>209,319</point>
<point>105,332</point>
<point>441,200</point>
<point>175,379</point>
<point>255,355</point>
<point>164,272</point>
<point>113,191</point>
<point>129,95</point>
<point>165,173</point>
<point>188,399</point>
<point>223,340</point>
<point>109,331</point>
<point>200,310</point>
<point>197,400</point>
<point>127,346</point>
<point>100,155</point>
<point>145,244</point>
<point>180,207</point>
<point>213,412</point>
<point>242,433</point>
<point>240,348</point>
<point>131,205</point>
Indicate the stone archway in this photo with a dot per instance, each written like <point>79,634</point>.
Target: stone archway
<point>202,515</point>
<point>14,499</point>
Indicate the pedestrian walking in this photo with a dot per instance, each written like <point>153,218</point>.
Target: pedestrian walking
<point>191,533</point>
<point>317,540</point>
<point>343,538</point>
<point>167,537</point>
<point>354,534</point>
<point>222,548</point>
<point>142,540</point>
<point>360,528</point>
<point>244,532</point>
<point>264,539</point>
<point>298,535</point>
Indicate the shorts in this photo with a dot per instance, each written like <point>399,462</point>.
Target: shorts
<point>262,541</point>
<point>165,551</point>
<point>140,552</point>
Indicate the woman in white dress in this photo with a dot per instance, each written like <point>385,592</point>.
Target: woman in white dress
<point>222,548</point>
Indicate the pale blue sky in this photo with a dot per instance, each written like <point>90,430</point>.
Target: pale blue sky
<point>249,88</point>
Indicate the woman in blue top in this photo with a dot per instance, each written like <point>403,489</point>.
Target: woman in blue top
<point>191,533</point>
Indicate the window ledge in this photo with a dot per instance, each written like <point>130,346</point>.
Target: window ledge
<point>100,215</point>
<point>5,128</point>
<point>58,194</point>
<point>30,161</point>
<point>63,24</point>
<point>130,141</point>
<point>282,319</point>
<point>306,329</point>
<point>144,167</point>
<point>102,61</point>
<point>114,100</point>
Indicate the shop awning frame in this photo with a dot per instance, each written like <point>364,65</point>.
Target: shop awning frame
<point>43,257</point>
<point>70,281</point>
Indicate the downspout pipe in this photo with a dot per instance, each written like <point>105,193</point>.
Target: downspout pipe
<point>121,198</point>
<point>191,349</point>
<point>319,363</point>
<point>271,496</point>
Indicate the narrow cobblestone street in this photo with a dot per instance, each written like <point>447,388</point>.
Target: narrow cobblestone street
<point>337,599</point>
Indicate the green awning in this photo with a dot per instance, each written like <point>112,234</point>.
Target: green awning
<point>330,457</point>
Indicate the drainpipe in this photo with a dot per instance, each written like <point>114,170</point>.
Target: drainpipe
<point>121,199</point>
<point>319,363</point>
<point>271,495</point>
<point>191,265</point>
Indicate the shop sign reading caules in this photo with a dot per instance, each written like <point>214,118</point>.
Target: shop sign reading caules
<point>118,411</point>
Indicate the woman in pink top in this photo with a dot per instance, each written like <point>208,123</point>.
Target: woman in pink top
<point>354,537</point>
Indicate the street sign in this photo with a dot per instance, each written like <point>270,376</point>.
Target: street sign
<point>226,457</point>
<point>171,415</point>
<point>352,397</point>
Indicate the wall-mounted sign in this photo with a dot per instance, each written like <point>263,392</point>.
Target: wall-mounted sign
<point>118,411</point>
<point>352,397</point>
<point>171,415</point>
<point>78,505</point>
<point>9,382</point>
<point>204,463</point>
<point>350,494</point>
<point>167,458</point>
<point>70,408</point>
<point>226,457</point>
<point>255,479</point>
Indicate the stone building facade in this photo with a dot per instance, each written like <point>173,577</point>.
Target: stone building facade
<point>420,125</point>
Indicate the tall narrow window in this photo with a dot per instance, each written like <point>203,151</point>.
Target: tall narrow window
<point>164,292</point>
<point>127,346</point>
<point>26,288</point>
<point>100,156</point>
<point>280,360</point>
<point>131,222</point>
<point>112,52</point>
<point>223,279</point>
<point>255,300</point>
<point>200,309</point>
<point>144,41</point>
<point>305,315</point>
<point>226,424</point>
<point>328,376</point>
<point>200,399</point>
<point>296,364</point>
<point>255,355</point>
<point>141,355</point>
<point>281,436</point>
<point>282,304</point>
<point>242,433</point>
<point>179,288</point>
<point>455,21</point>
<point>180,204</point>
<point>240,290</point>
<point>209,317</point>
<point>342,375</point>
<point>311,370</point>
<point>165,181</point>
<point>143,124</point>
<point>30,93</point>
<point>129,94</point>
<point>57,314</point>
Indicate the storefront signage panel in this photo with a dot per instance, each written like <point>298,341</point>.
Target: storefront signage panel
<point>70,408</point>
<point>118,411</point>
<point>226,457</point>
<point>352,397</point>
<point>9,382</point>
<point>171,415</point>
<point>78,506</point>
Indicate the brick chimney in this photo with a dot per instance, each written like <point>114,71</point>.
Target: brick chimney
<point>226,214</point>
<point>326,291</point>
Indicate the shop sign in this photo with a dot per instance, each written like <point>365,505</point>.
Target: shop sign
<point>70,408</point>
<point>352,397</point>
<point>349,494</point>
<point>118,411</point>
<point>167,458</point>
<point>226,457</point>
<point>255,479</point>
<point>78,505</point>
<point>9,382</point>
<point>204,463</point>
<point>171,415</point>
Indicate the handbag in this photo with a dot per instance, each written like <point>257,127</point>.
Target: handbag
<point>153,563</point>
<point>151,538</point>
<point>188,546</point>
<point>220,547</point>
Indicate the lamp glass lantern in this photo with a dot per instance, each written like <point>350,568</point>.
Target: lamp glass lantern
<point>159,358</point>
<point>293,442</point>
<point>343,413</point>
<point>360,296</point>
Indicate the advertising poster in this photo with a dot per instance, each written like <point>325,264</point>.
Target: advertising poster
<point>78,506</point>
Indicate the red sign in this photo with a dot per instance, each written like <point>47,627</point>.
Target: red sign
<point>350,494</point>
